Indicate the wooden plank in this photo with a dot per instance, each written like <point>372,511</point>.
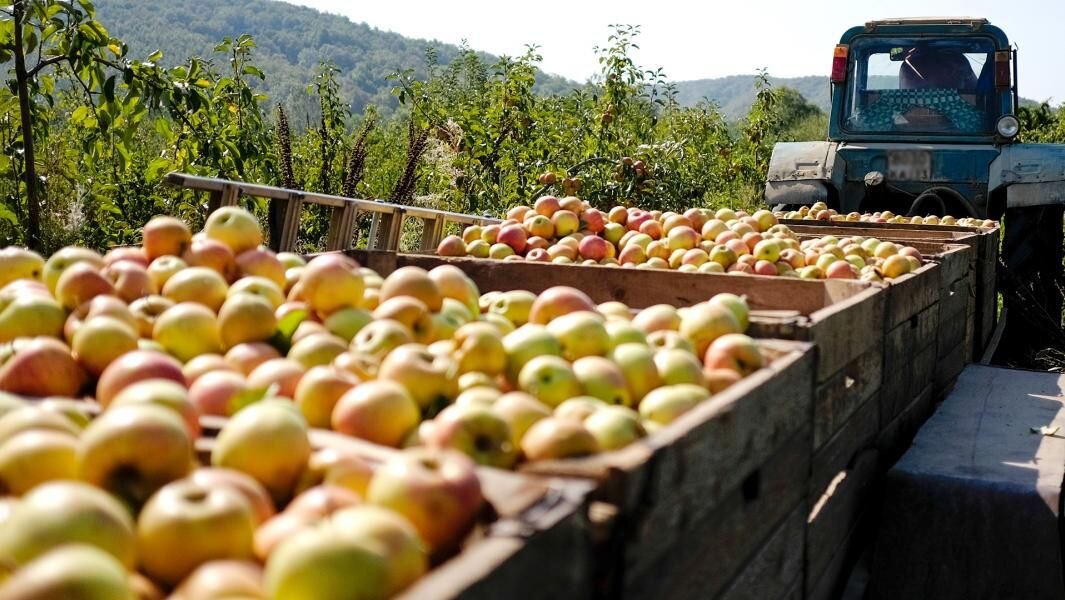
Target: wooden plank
<point>910,294</point>
<point>858,434</point>
<point>290,212</point>
<point>838,398</point>
<point>895,435</point>
<point>341,227</point>
<point>835,515</point>
<point>740,538</point>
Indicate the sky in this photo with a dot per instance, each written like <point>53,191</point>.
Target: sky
<point>697,40</point>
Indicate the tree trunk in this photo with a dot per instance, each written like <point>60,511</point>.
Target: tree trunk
<point>33,225</point>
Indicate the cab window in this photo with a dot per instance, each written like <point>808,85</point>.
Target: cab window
<point>901,85</point>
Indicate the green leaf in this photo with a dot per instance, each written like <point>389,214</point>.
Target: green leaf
<point>7,214</point>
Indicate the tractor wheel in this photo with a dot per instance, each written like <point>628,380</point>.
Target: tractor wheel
<point>1031,281</point>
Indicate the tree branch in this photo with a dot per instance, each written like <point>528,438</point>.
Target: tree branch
<point>51,60</point>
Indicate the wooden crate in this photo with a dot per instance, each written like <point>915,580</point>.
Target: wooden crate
<point>714,498</point>
<point>984,262</point>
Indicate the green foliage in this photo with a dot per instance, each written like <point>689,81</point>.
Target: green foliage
<point>471,134</point>
<point>1041,123</point>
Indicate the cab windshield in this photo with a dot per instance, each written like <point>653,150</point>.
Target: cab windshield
<point>916,85</point>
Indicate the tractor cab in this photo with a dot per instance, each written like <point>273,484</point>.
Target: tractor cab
<point>922,122</point>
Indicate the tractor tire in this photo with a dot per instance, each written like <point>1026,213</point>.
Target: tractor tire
<point>1032,282</point>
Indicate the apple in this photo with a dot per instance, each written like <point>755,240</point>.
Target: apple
<point>603,379</point>
<point>595,248</point>
<point>737,305</point>
<point>513,236</point>
<point>555,438</point>
<point>436,490</point>
<point>73,571</point>
<point>268,441</point>
<point>382,412</point>
<point>550,379</point>
<point>221,579</point>
<point>677,366</point>
<point>520,411</point>
<point>165,393</point>
<point>380,337</point>
<point>101,340</point>
<point>614,427</point>
<point>130,280</point>
<point>578,408</point>
<point>479,347</point>
<point>20,263</point>
<point>281,372</point>
<point>330,282</point>
<point>135,449</point>
<point>637,363</point>
<point>705,322</point>
<point>480,395</point>
<point>526,343</point>
<point>253,493</point>
<point>668,338</point>
<point>895,266</point>
<point>317,349</point>
<point>623,332</point>
<point>29,316</point>
<point>451,245</point>
<point>246,357</point>
<point>67,512</point>
<point>580,334</point>
<point>410,312</point>
<point>412,282</point>
<point>80,283</point>
<point>216,392</point>
<point>208,253</point>
<point>35,456</point>
<point>41,366</point>
<point>734,351</point>
<point>165,236</point>
<point>718,380</point>
<point>146,310</point>
<point>59,262</point>
<point>261,262</point>
<point>34,417</point>
<point>197,284</point>
<point>187,330</point>
<point>557,301</point>
<point>133,367</point>
<point>186,524</point>
<point>403,548</point>
<point>235,227</point>
<point>426,377</point>
<point>515,305</point>
<point>476,431</point>
<point>660,317</point>
<point>546,205</point>
<point>323,563</point>
<point>665,404</point>
<point>109,306</point>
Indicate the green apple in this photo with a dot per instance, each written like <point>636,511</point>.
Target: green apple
<point>515,305</point>
<point>705,322</point>
<point>623,332</point>
<point>67,512</point>
<point>660,317</point>
<point>479,348</point>
<point>578,408</point>
<point>549,379</point>
<point>615,427</point>
<point>188,330</point>
<point>65,257</point>
<point>555,438</point>
<point>520,411</point>
<point>637,363</point>
<point>317,349</point>
<point>267,440</point>
<point>30,316</point>
<point>581,333</point>
<point>476,431</point>
<point>403,549</point>
<point>380,337</point>
<point>246,318</point>
<point>426,377</point>
<point>676,366</point>
<point>324,564</point>
<point>526,343</point>
<point>603,379</point>
<point>736,304</point>
<point>73,571</point>
<point>665,404</point>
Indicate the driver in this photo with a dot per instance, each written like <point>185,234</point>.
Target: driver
<point>936,68</point>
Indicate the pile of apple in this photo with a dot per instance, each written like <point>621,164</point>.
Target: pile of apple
<point>855,257</point>
<point>117,507</point>
<point>819,211</point>
<point>103,498</point>
<point>568,231</point>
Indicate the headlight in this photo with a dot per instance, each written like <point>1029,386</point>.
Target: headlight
<point>1008,126</point>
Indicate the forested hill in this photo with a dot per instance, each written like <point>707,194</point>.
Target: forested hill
<point>291,41</point>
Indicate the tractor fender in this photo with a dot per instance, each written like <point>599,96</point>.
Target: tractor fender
<point>1032,174</point>
<point>802,173</point>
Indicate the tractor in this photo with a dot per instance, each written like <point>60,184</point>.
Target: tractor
<point>923,122</point>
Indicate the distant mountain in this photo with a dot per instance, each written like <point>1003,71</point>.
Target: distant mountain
<point>291,40</point>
